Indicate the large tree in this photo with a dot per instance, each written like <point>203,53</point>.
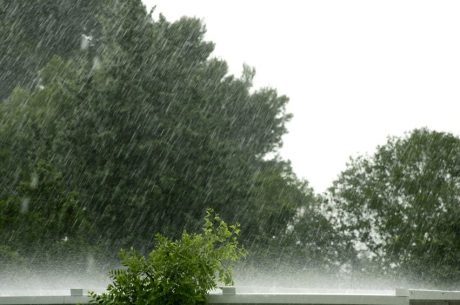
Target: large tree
<point>403,203</point>
<point>150,130</point>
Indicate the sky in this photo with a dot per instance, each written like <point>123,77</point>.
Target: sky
<point>356,72</point>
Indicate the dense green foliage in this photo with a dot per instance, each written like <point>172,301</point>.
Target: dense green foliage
<point>44,221</point>
<point>115,124</point>
<point>149,131</point>
<point>403,203</point>
<point>31,32</point>
<point>177,272</point>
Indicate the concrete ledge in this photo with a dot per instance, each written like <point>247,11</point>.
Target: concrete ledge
<point>330,299</point>
<point>272,298</point>
<point>400,297</point>
<point>44,300</point>
<point>434,295</point>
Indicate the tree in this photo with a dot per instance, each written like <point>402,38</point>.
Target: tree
<point>177,272</point>
<point>313,243</point>
<point>31,32</point>
<point>149,130</point>
<point>42,222</point>
<point>403,204</point>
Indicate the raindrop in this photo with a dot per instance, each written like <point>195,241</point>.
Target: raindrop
<point>25,205</point>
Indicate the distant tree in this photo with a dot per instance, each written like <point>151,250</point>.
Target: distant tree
<point>313,243</point>
<point>291,226</point>
<point>403,203</point>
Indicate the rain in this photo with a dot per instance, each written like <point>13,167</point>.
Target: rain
<point>118,124</point>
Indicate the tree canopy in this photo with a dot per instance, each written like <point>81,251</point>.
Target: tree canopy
<point>403,204</point>
<point>146,127</point>
<point>31,32</point>
<point>115,124</point>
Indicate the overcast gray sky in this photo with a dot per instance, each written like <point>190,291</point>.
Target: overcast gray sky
<point>355,71</point>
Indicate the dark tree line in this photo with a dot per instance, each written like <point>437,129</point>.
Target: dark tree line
<point>115,125</point>
<point>142,126</point>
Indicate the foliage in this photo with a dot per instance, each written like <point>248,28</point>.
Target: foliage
<point>313,243</point>
<point>9,257</point>
<point>31,32</point>
<point>41,221</point>
<point>142,129</point>
<point>291,226</point>
<point>403,204</point>
<point>146,127</point>
<point>114,123</point>
<point>177,272</point>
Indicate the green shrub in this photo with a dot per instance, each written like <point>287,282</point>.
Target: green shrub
<point>177,272</point>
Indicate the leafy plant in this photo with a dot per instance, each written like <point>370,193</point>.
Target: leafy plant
<point>177,272</point>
